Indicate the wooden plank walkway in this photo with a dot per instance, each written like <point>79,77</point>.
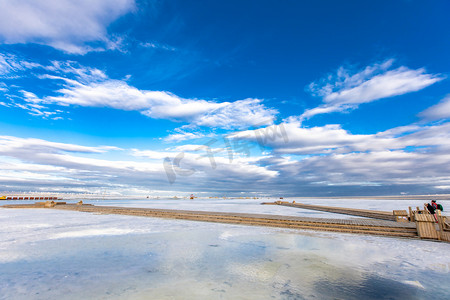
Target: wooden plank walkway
<point>364,226</point>
<point>383,215</point>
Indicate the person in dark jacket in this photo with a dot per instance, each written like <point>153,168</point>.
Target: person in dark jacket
<point>430,208</point>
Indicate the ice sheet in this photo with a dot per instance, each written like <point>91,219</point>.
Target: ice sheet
<point>49,254</point>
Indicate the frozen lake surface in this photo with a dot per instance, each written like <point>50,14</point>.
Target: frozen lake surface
<point>48,254</point>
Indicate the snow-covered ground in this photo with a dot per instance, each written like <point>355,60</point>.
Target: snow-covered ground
<point>48,254</point>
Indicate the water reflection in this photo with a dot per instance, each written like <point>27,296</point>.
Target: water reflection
<point>371,287</point>
<point>69,255</point>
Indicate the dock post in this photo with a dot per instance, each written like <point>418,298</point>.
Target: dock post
<point>444,233</point>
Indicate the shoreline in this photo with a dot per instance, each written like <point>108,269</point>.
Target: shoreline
<point>57,196</point>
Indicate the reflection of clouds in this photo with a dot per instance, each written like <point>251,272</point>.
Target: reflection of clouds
<point>371,287</point>
<point>90,232</point>
<point>264,271</point>
<point>170,259</point>
<point>302,262</point>
<point>414,283</point>
<point>293,269</point>
<point>182,251</point>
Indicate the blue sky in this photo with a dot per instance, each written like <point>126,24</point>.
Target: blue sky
<point>289,98</point>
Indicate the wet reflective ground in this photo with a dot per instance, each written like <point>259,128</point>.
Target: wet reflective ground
<point>46,254</point>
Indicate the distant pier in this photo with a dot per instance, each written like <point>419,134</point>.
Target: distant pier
<point>45,198</point>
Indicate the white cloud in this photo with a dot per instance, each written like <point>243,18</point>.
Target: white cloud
<point>93,90</point>
<point>69,165</point>
<point>119,95</point>
<point>344,91</point>
<point>91,87</point>
<point>438,111</point>
<point>9,144</point>
<point>7,64</point>
<point>156,45</point>
<point>36,110</point>
<point>291,138</point>
<point>39,164</point>
<point>212,166</point>
<point>74,26</point>
<point>378,172</point>
<point>378,168</point>
<point>32,105</point>
<point>238,114</point>
<point>443,187</point>
<point>332,157</point>
<point>183,136</point>
<point>391,83</point>
<point>81,73</point>
<point>10,65</point>
<point>413,156</point>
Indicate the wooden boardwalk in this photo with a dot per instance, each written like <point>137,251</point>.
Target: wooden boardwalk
<point>360,226</point>
<point>383,215</point>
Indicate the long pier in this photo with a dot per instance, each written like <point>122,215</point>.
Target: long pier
<point>383,215</point>
<point>360,226</point>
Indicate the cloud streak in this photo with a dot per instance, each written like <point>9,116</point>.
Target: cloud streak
<point>437,112</point>
<point>163,105</point>
<point>345,91</point>
<point>10,65</point>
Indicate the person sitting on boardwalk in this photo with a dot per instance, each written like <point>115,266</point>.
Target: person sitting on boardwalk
<point>437,206</point>
<point>430,208</point>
